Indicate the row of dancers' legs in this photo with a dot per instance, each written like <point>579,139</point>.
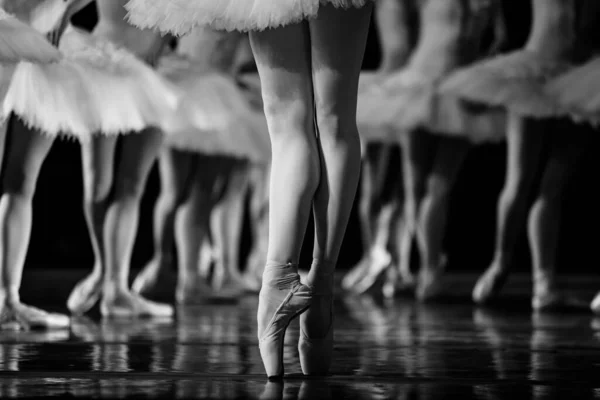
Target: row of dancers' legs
<point>114,180</point>
<point>541,159</point>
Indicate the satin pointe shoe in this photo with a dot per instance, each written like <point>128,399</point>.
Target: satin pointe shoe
<point>282,298</point>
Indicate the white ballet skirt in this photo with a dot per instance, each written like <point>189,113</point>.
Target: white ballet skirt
<point>95,88</point>
<point>515,81</point>
<point>371,125</point>
<point>20,42</point>
<point>216,116</point>
<point>181,16</point>
<point>407,100</point>
<point>577,92</point>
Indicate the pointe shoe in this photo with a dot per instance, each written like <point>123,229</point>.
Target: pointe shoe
<point>289,298</point>
<point>316,353</point>
<point>381,261</point>
<point>85,294</point>
<point>356,274</point>
<point>33,318</point>
<point>489,284</point>
<point>596,304</point>
<point>132,305</point>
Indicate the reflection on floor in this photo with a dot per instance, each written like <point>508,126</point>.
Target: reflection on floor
<point>383,350</point>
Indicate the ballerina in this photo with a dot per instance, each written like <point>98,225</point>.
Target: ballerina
<point>396,22</point>
<point>44,101</point>
<point>308,55</point>
<point>114,182</point>
<point>436,132</point>
<point>514,80</point>
<point>222,127</point>
<point>575,92</point>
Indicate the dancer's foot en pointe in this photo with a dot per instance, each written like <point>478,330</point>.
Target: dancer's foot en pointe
<point>490,284</point>
<point>282,298</point>
<point>315,345</point>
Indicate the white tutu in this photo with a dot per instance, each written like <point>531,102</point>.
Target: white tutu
<point>372,125</point>
<point>408,100</point>
<point>181,16</point>
<point>19,42</point>
<point>215,116</point>
<point>514,80</point>
<point>95,88</point>
<point>578,92</point>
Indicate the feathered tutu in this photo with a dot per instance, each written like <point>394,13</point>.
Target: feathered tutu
<point>371,124</point>
<point>578,92</point>
<point>514,80</point>
<point>181,16</point>
<point>216,116</point>
<point>19,42</point>
<point>408,100</point>
<point>95,88</point>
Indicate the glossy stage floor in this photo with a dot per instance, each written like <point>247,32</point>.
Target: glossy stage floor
<point>383,350</point>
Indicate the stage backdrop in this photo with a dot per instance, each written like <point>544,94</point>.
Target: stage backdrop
<point>59,237</point>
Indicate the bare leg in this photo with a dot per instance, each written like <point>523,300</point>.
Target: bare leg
<point>433,215</point>
<point>27,152</point>
<point>191,228</point>
<point>97,165</point>
<point>545,218</point>
<point>283,60</point>
<point>417,156</point>
<point>374,164</point>
<point>226,222</point>
<point>3,134</point>
<point>338,40</point>
<point>525,142</point>
<point>138,153</point>
<point>259,221</point>
<point>176,172</point>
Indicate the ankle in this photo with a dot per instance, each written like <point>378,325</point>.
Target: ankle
<point>111,291</point>
<point>280,275</point>
<point>10,296</point>
<point>321,275</point>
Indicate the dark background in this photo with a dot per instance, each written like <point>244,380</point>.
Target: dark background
<point>59,237</point>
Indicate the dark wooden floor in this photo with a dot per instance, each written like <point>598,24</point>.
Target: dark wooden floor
<point>393,350</point>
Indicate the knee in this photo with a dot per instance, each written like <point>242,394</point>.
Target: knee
<point>97,188</point>
<point>169,200</point>
<point>18,182</point>
<point>338,129</point>
<point>516,190</point>
<point>288,119</point>
<point>438,189</point>
<point>129,186</point>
